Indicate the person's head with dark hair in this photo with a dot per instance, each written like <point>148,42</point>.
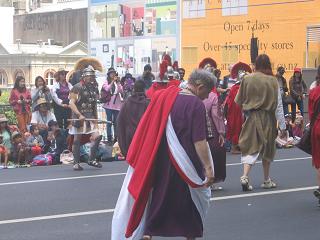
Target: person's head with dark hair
<point>39,82</point>
<point>263,65</point>
<point>139,87</point>
<point>20,84</point>
<point>53,125</point>
<point>281,70</point>
<point>147,68</point>
<point>34,130</point>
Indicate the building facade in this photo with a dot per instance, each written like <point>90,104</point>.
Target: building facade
<point>32,60</point>
<point>63,27</point>
<point>287,30</point>
<point>129,34</point>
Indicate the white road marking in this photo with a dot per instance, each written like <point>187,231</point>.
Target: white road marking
<point>62,179</point>
<point>120,174</point>
<point>104,211</point>
<point>271,192</point>
<point>279,160</point>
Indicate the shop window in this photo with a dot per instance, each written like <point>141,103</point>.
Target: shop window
<point>3,78</point>
<point>234,7</point>
<point>49,77</point>
<point>190,55</point>
<point>194,8</point>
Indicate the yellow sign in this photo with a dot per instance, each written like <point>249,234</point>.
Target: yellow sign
<point>222,30</point>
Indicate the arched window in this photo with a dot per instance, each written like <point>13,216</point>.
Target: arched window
<point>49,77</point>
<point>3,78</point>
<point>18,73</point>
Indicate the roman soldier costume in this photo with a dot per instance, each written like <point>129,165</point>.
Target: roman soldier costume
<point>235,117</point>
<point>85,95</point>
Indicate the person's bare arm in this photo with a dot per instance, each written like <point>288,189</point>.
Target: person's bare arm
<point>203,151</point>
<point>73,107</point>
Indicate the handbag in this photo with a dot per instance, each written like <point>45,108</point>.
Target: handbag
<point>305,143</point>
<point>288,99</point>
<point>66,157</point>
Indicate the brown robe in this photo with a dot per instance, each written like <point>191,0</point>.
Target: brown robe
<point>129,118</point>
<point>258,97</point>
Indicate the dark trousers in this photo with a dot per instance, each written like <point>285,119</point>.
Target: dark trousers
<point>294,109</point>
<point>112,116</point>
<point>62,115</point>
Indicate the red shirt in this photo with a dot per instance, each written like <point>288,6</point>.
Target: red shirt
<point>15,96</point>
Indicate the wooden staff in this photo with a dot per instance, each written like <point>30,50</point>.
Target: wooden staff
<point>99,121</point>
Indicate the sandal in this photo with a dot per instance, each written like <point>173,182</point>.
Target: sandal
<point>95,163</point>
<point>268,184</point>
<point>244,180</point>
<point>77,167</point>
<point>316,193</point>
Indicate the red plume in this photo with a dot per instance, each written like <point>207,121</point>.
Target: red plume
<point>167,58</point>
<point>163,68</point>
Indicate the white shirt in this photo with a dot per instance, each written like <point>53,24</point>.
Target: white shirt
<point>37,118</point>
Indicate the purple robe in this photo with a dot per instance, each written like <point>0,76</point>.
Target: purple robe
<point>172,212</point>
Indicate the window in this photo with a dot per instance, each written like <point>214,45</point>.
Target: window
<point>194,8</point>
<point>230,54</point>
<point>234,7</point>
<point>190,55</point>
<point>49,77</point>
<point>3,78</point>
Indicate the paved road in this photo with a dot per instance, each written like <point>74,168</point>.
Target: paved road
<point>56,203</point>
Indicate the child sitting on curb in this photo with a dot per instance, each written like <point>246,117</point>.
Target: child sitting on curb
<point>35,141</point>
<point>20,152</point>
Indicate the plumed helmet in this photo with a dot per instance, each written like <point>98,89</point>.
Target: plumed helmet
<point>88,71</point>
<point>240,67</point>
<point>207,62</point>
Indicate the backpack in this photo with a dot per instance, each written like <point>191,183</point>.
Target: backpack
<point>42,160</point>
<point>105,96</point>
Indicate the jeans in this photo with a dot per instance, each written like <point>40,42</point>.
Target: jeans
<point>294,109</point>
<point>112,116</point>
<point>285,108</point>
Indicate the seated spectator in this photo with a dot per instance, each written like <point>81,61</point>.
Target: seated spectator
<point>4,153</point>
<point>5,139</point>
<point>20,150</point>
<point>289,124</point>
<point>57,141</point>
<point>298,127</point>
<point>42,116</point>
<point>35,141</point>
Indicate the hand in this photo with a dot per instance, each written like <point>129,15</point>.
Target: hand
<point>221,140</point>
<point>210,176</point>
<point>65,105</point>
<point>19,101</point>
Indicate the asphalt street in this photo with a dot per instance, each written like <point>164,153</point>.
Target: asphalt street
<point>56,203</point>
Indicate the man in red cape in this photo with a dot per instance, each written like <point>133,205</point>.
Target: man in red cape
<point>234,114</point>
<point>314,113</point>
<point>154,145</point>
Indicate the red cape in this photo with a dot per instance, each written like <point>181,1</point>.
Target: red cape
<point>234,116</point>
<point>154,88</point>
<point>143,150</point>
<point>314,99</point>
